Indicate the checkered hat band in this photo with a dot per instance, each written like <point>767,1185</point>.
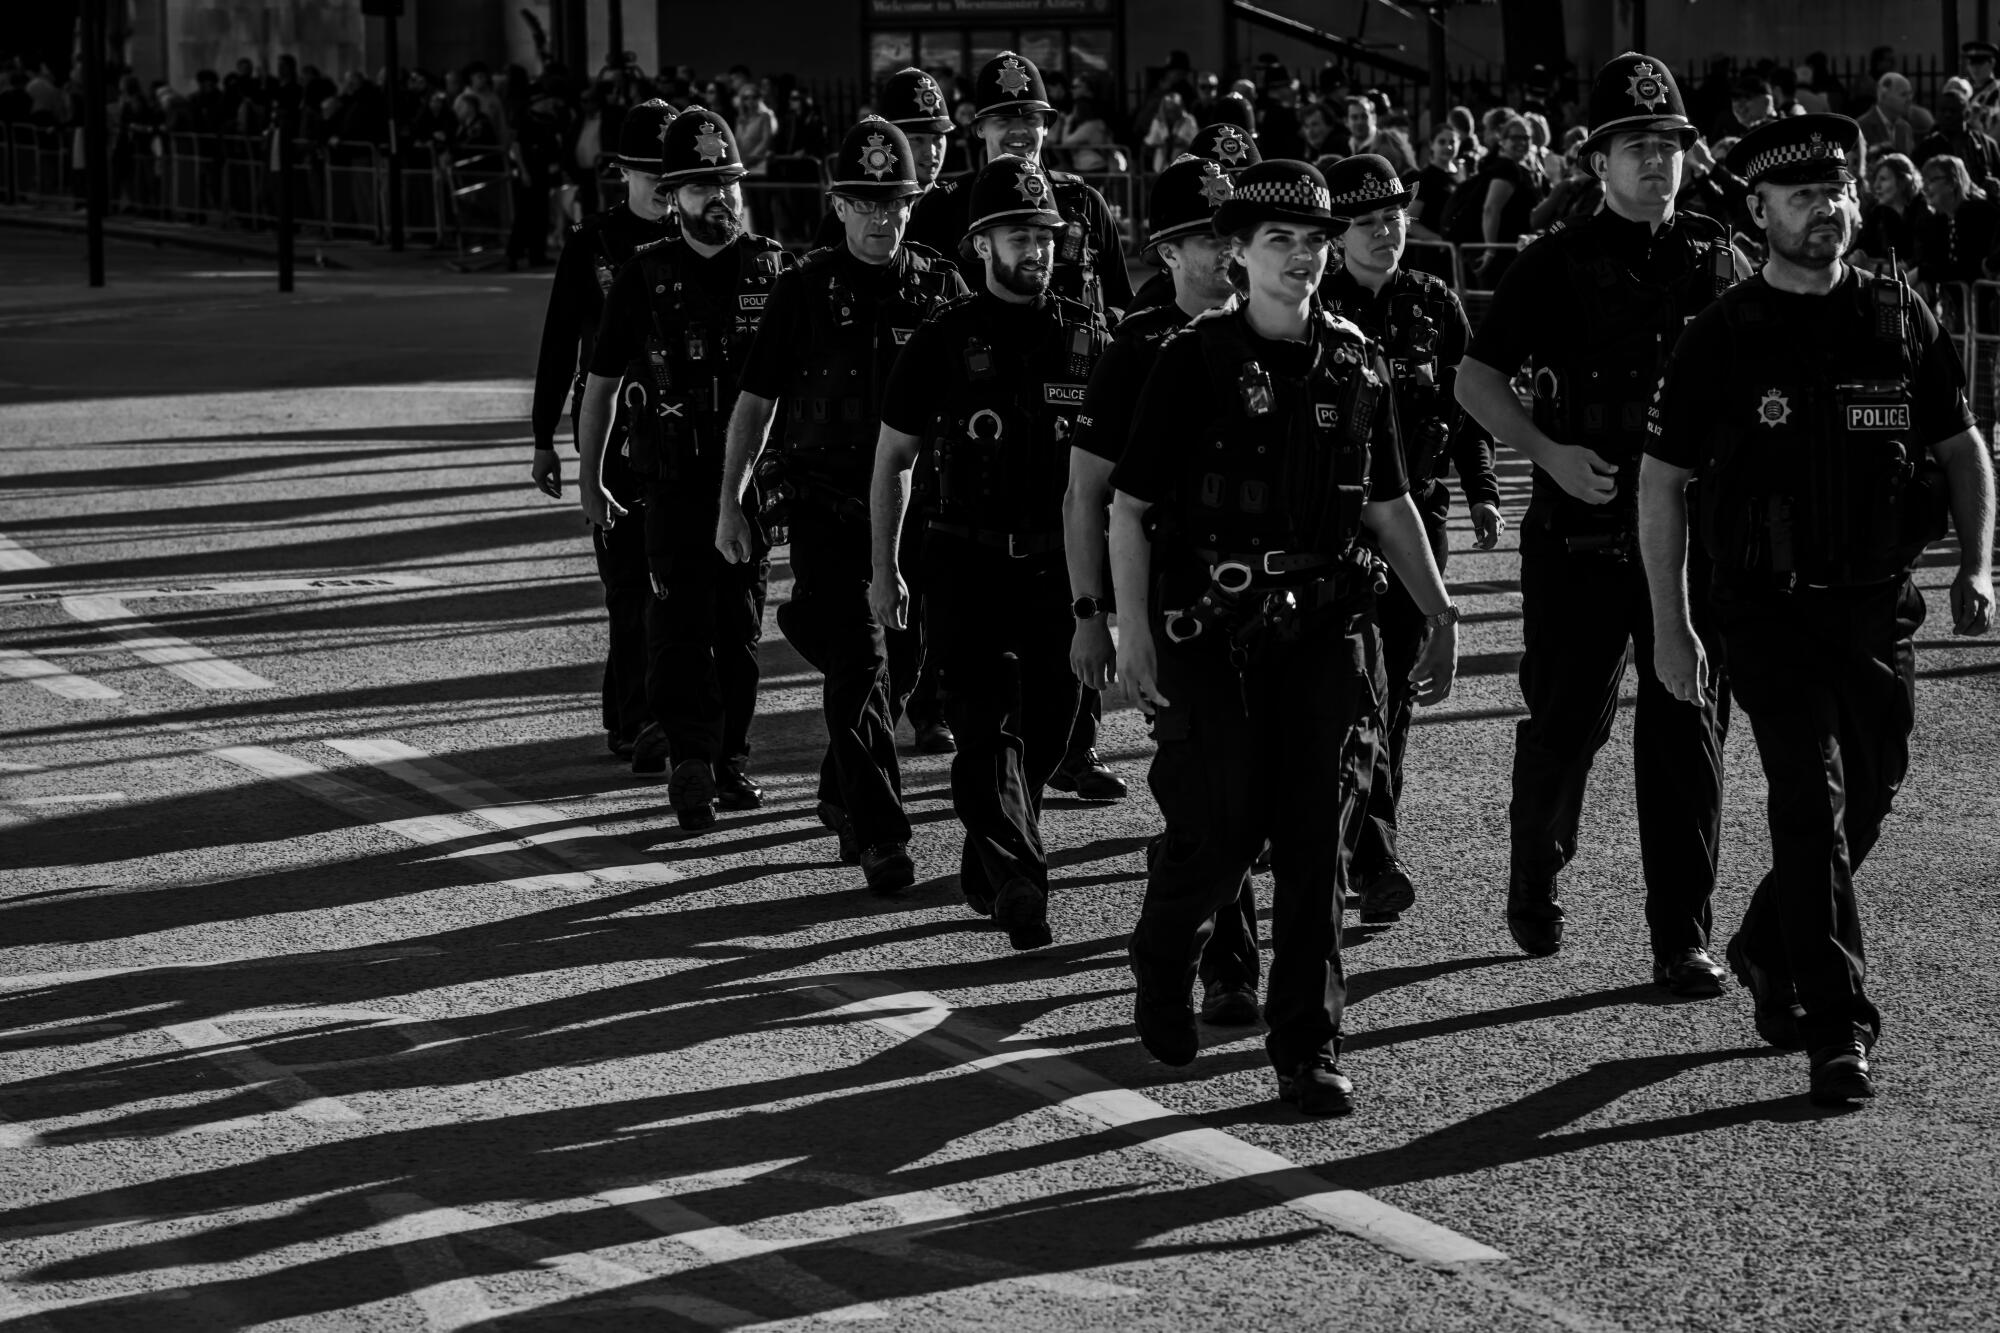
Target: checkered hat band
<point>1375,187</point>
<point>1793,154</point>
<point>1297,193</point>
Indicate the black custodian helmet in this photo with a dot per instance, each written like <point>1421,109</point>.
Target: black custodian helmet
<point>912,101</point>
<point>875,162</point>
<point>1635,93</point>
<point>1184,199</point>
<point>642,136</point>
<point>1011,191</point>
<point>1228,143</point>
<point>1008,85</point>
<point>699,145</point>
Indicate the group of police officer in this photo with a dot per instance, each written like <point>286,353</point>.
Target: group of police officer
<point>974,472</point>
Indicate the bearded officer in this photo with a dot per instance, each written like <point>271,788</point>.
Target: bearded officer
<point>1229,147</point>
<point>1181,239</point>
<point>1594,307</point>
<point>1013,115</point>
<point>598,247</point>
<point>1823,411</point>
<point>1264,446</point>
<point>830,335</point>
<point>1421,328</point>
<point>677,325</point>
<point>990,387</point>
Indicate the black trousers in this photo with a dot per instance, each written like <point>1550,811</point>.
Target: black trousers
<point>628,592</point>
<point>702,631</point>
<point>829,622</point>
<point>1268,753</point>
<point>1580,613</point>
<point>1402,628</point>
<point>1828,679</point>
<point>912,689</point>
<point>998,632</point>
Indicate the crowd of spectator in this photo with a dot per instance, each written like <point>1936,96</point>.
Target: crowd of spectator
<point>1501,167</point>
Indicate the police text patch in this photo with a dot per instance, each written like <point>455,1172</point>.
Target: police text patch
<point>1063,395</point>
<point>754,300</point>
<point>1878,416</point>
<point>1328,416</point>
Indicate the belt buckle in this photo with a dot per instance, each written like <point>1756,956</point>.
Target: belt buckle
<point>1013,554</point>
<point>1269,556</point>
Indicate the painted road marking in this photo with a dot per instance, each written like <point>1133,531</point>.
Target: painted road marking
<point>192,663</point>
<point>578,845</point>
<point>14,556</point>
<point>410,1219</point>
<point>18,665</point>
<point>1048,1075</point>
<point>320,958</point>
<point>513,863</point>
<point>52,592</point>
<point>753,1258</point>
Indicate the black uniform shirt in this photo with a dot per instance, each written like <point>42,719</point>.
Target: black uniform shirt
<point>1690,406</point>
<point>1179,401</point>
<point>1113,396</point>
<point>628,312</point>
<point>920,386</point>
<point>1469,446</point>
<point>1532,315</point>
<point>576,305</point>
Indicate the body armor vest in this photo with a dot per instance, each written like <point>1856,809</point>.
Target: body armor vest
<point>1817,476</point>
<point>833,402</point>
<point>1281,465</point>
<point>1002,443</point>
<point>1623,332</point>
<point>680,393</point>
<point>1418,307</point>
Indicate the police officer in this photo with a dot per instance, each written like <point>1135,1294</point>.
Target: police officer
<point>598,247</point>
<point>1012,115</point>
<point>1594,307</point>
<point>1824,414</point>
<point>677,324</point>
<point>913,102</point>
<point>829,337</point>
<point>1194,262</point>
<point>990,387</point>
<point>1416,320</point>
<point>1264,446</point>
<point>1230,148</point>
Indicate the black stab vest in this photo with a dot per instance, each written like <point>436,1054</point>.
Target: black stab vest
<point>833,402</point>
<point>1596,396</point>
<point>1281,464</point>
<point>680,392</point>
<point>1818,477</point>
<point>1002,443</point>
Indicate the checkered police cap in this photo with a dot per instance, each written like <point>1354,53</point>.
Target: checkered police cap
<point>1797,150</point>
<point>1289,193</point>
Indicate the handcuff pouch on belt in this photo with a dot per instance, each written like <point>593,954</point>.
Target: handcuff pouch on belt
<point>1250,597</point>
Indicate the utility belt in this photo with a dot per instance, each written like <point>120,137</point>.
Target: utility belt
<point>1017,545</point>
<point>1612,536</point>
<point>1273,592</point>
<point>785,485</point>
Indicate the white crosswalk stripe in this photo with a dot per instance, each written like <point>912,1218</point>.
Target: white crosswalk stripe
<point>14,556</point>
<point>17,664</point>
<point>191,662</point>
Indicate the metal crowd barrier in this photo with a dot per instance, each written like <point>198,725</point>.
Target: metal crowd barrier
<point>1125,190</point>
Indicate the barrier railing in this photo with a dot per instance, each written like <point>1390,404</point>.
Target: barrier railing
<point>1113,171</point>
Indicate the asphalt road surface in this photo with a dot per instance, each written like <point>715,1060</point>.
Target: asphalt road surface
<point>347,983</point>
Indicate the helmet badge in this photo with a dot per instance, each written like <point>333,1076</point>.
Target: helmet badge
<point>878,156</point>
<point>709,143</point>
<point>1231,147</point>
<point>1031,186</point>
<point>1645,88</point>
<point>1013,76</point>
<point>1216,187</point>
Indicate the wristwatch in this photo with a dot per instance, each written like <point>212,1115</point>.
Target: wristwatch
<point>1448,616</point>
<point>1088,607</point>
